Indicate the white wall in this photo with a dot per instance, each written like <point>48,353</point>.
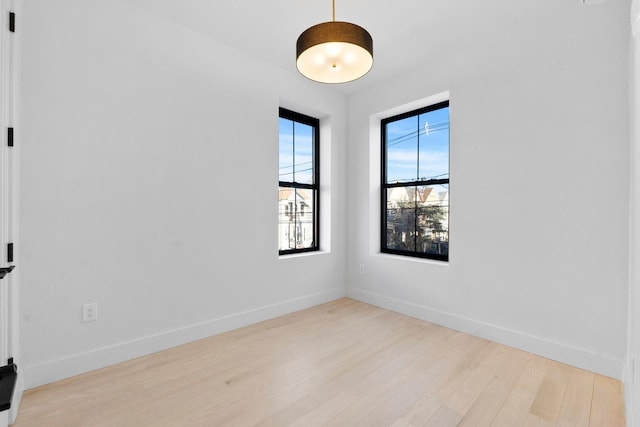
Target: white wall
<point>149,185</point>
<point>632,379</point>
<point>539,189</point>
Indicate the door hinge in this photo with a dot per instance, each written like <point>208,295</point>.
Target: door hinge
<point>12,22</point>
<point>10,252</point>
<point>10,137</point>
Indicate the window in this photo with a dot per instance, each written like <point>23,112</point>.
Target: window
<point>415,183</point>
<point>298,194</point>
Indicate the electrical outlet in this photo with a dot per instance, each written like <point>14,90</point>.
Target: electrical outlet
<point>361,268</point>
<point>90,312</point>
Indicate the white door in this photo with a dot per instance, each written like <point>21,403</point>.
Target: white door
<point>9,146</point>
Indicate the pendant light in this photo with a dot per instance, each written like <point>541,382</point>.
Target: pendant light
<point>334,52</point>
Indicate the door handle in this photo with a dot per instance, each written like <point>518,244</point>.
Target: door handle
<point>6,270</point>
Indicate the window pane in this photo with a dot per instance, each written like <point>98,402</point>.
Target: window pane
<point>285,128</point>
<point>296,209</point>
<point>304,218</point>
<point>303,153</point>
<point>433,219</point>
<point>286,199</point>
<point>401,218</point>
<point>434,144</point>
<point>402,150</point>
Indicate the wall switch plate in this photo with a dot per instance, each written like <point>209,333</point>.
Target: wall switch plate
<point>361,268</point>
<point>90,312</point>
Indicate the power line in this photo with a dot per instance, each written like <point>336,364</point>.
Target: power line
<point>410,180</point>
<point>432,128</point>
<point>296,164</point>
<point>422,130</point>
<point>296,171</point>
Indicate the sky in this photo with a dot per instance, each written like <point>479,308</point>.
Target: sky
<point>296,143</point>
<point>418,147</point>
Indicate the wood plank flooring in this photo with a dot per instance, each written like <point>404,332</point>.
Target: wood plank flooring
<point>343,363</point>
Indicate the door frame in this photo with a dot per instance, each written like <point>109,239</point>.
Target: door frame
<point>9,185</point>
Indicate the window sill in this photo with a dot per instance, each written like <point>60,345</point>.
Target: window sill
<point>303,254</point>
<point>413,259</point>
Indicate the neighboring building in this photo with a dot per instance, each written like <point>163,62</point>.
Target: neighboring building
<point>431,224</point>
<point>295,219</point>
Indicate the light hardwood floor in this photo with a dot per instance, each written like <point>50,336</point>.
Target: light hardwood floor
<point>343,363</point>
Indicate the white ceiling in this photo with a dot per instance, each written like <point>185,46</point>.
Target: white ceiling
<point>405,32</point>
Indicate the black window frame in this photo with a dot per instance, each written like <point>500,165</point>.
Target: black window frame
<point>314,188</point>
<point>416,183</point>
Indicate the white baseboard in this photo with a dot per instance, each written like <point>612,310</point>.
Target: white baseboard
<point>628,400</point>
<point>601,364</point>
<point>631,405</point>
<point>55,370</point>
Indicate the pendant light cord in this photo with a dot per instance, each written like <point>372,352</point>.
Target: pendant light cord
<point>334,9</point>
